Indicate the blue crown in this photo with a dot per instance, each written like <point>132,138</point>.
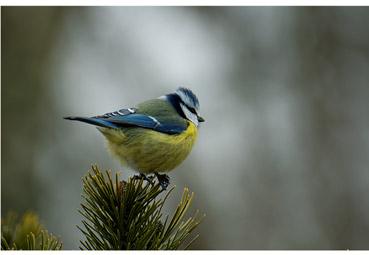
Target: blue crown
<point>188,98</point>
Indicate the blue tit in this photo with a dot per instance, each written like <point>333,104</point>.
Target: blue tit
<point>155,136</point>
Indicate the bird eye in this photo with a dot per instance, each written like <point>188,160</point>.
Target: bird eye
<point>192,110</point>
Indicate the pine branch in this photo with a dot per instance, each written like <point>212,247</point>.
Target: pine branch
<point>26,234</point>
<point>121,215</point>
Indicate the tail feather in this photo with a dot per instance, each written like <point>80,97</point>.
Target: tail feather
<point>93,121</point>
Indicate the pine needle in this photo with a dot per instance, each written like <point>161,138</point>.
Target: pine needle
<point>123,215</point>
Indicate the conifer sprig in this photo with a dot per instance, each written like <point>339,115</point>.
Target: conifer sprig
<point>26,233</point>
<point>121,215</point>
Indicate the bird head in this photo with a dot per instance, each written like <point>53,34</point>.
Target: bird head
<point>186,104</point>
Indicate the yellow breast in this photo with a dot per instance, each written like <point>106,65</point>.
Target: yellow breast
<point>149,151</point>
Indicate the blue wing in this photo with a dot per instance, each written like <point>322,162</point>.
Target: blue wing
<point>129,117</point>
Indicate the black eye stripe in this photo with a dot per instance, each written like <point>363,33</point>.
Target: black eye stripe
<point>191,109</point>
<point>178,104</point>
<point>188,96</point>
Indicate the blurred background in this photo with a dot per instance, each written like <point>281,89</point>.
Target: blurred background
<point>282,159</point>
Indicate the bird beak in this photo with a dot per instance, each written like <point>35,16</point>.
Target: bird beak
<point>200,119</point>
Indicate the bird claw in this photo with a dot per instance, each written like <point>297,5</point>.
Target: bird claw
<point>142,176</point>
<point>163,180</point>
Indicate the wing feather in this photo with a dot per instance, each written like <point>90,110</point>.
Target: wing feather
<point>129,117</point>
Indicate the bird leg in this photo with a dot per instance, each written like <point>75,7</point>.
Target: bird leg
<point>142,176</point>
<point>163,180</point>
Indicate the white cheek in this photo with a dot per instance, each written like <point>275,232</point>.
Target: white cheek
<point>192,117</point>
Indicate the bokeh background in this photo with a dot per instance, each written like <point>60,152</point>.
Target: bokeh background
<point>282,159</point>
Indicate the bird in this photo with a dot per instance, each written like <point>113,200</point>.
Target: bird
<point>153,137</point>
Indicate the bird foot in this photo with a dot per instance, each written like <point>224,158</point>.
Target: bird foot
<point>163,180</point>
<point>142,176</point>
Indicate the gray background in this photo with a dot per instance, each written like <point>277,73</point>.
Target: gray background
<point>282,159</point>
